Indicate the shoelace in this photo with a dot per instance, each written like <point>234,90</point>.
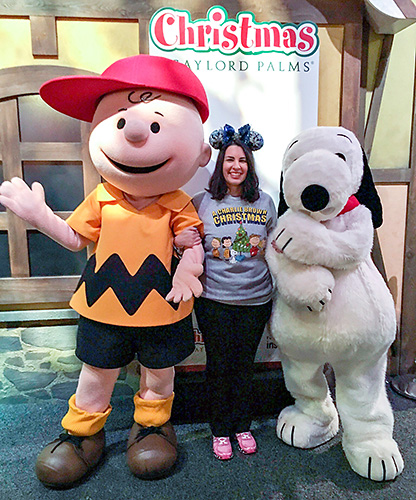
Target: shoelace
<point>245,435</point>
<point>146,431</point>
<point>65,437</point>
<point>222,440</point>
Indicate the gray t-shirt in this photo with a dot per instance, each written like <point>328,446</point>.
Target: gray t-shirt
<point>235,241</point>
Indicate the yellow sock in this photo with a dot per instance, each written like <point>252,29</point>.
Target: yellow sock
<point>81,423</point>
<point>149,412</point>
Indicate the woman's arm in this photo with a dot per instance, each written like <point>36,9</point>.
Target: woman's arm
<point>188,238</point>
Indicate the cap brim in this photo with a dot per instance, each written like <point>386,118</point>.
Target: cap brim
<point>78,96</point>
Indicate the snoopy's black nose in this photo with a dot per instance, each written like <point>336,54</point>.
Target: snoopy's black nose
<point>314,198</point>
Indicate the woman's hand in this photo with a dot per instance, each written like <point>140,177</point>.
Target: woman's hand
<point>188,238</point>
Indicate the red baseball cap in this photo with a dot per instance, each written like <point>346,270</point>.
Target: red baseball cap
<point>78,96</point>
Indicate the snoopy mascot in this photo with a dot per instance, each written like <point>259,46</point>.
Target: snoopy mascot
<point>332,305</point>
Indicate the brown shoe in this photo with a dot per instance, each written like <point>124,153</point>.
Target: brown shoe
<point>69,458</point>
<point>151,451</point>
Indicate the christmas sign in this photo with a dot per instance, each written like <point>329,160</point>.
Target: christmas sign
<point>264,74</point>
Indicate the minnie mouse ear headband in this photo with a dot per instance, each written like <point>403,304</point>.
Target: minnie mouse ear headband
<point>223,136</point>
<point>78,96</point>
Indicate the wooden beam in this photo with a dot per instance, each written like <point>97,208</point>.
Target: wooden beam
<point>51,151</point>
<point>407,7</point>
<point>12,167</point>
<point>391,175</point>
<point>29,317</point>
<point>351,77</point>
<point>377,95</point>
<point>44,37</point>
<point>144,36</point>
<point>364,77</point>
<point>24,80</point>
<point>20,291</point>
<point>408,317</point>
<point>4,221</point>
<point>390,17</point>
<point>318,11</point>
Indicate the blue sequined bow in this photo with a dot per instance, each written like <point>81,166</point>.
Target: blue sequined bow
<point>229,134</point>
<point>243,133</point>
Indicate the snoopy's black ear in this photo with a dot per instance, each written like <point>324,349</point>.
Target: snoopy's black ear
<point>367,195</point>
<point>281,209</point>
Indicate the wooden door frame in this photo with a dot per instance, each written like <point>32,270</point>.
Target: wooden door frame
<point>17,82</point>
<point>346,13</point>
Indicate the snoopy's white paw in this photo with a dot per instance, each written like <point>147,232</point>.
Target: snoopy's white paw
<point>322,297</point>
<point>379,460</point>
<point>309,287</point>
<point>303,431</point>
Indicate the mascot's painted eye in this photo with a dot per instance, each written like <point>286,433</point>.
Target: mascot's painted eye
<point>121,123</point>
<point>341,156</point>
<point>155,127</point>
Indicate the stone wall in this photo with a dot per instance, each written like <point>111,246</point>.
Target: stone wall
<point>38,362</point>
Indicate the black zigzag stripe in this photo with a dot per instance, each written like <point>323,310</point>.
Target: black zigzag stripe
<point>130,290</point>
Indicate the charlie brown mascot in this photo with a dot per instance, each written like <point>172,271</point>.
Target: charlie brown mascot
<point>146,142</point>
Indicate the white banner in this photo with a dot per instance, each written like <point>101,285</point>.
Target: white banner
<point>265,74</point>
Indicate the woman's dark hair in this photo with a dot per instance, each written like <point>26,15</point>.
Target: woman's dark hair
<point>217,186</point>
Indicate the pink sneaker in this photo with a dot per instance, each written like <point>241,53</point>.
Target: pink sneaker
<point>246,442</point>
<point>222,448</point>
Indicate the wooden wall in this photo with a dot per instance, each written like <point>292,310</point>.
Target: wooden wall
<point>342,93</point>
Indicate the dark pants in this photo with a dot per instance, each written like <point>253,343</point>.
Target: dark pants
<point>231,335</point>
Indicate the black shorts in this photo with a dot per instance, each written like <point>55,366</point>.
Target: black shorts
<point>109,346</point>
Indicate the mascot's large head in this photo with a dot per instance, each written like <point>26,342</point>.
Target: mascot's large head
<point>147,113</point>
<point>323,167</point>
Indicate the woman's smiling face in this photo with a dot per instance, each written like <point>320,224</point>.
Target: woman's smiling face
<point>234,168</point>
<point>146,142</point>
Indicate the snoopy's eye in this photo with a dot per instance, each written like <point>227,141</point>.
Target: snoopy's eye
<point>155,127</point>
<point>341,156</point>
<point>121,123</point>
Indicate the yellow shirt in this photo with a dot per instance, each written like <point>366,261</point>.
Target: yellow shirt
<point>129,274</point>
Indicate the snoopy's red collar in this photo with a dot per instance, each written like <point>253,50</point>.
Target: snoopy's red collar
<point>350,205</point>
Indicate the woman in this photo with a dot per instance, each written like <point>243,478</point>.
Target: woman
<point>236,302</point>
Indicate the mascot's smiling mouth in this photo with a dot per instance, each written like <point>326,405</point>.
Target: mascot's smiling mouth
<point>135,170</point>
